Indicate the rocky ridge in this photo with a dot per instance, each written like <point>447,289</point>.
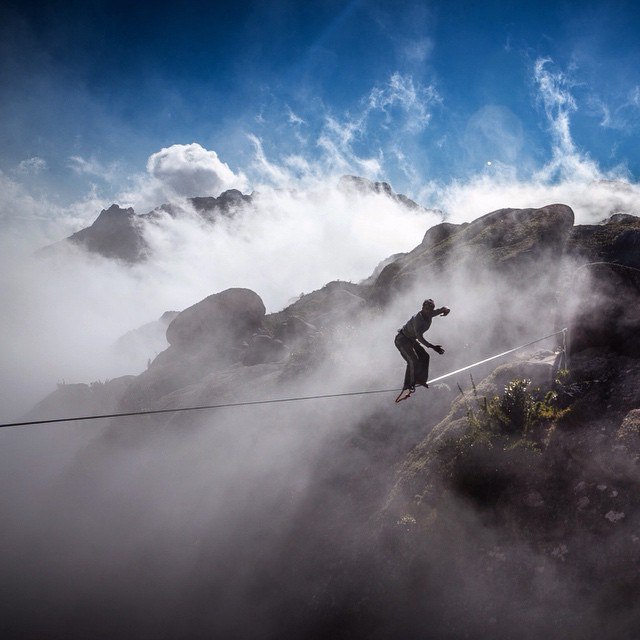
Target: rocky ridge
<point>118,233</point>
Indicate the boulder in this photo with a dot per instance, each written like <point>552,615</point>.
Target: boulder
<point>231,315</point>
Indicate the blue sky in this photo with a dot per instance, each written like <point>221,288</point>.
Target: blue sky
<point>411,92</point>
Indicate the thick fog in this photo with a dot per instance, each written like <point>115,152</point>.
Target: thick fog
<point>254,522</point>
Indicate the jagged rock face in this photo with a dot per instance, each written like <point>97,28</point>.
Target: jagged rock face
<point>607,314</point>
<point>231,315</point>
<point>617,240</point>
<point>226,204</point>
<point>116,234</point>
<point>363,185</point>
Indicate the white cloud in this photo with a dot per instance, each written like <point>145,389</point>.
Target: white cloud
<point>93,167</point>
<point>554,92</point>
<point>32,165</point>
<point>414,99</point>
<point>390,113</point>
<point>294,118</point>
<point>569,176</point>
<point>181,171</point>
<point>29,222</point>
<point>191,170</point>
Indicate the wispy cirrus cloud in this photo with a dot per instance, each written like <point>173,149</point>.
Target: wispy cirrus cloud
<point>554,92</point>
<point>92,167</point>
<point>32,165</point>
<point>413,99</point>
<point>361,140</point>
<point>618,113</point>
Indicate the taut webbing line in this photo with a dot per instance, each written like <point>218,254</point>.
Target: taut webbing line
<point>272,401</point>
<point>500,355</point>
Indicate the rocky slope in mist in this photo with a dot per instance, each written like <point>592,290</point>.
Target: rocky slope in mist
<point>118,233</point>
<point>547,484</point>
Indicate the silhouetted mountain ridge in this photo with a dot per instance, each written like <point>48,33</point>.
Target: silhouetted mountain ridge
<point>118,233</point>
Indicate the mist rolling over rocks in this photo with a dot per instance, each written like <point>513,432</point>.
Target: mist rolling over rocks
<point>493,506</point>
<point>119,233</point>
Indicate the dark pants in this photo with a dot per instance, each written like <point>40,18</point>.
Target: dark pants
<point>417,361</point>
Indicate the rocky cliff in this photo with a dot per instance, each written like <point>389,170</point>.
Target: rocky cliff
<point>503,505</point>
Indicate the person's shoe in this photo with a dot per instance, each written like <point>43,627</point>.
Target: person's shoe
<point>404,394</point>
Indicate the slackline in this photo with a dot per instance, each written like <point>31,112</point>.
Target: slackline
<point>273,400</point>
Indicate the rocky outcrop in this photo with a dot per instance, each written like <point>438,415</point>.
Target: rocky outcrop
<point>357,184</point>
<point>118,233</point>
<point>82,399</point>
<point>336,301</point>
<point>226,204</point>
<point>115,234</point>
<point>222,318</point>
<point>262,349</point>
<point>206,337</point>
<point>617,240</point>
<point>508,241</point>
<point>606,314</point>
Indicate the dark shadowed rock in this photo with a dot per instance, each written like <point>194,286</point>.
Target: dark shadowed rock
<point>225,204</point>
<point>262,349</point>
<point>206,337</point>
<point>617,240</point>
<point>337,300</point>
<point>231,315</point>
<point>439,233</point>
<point>607,314</point>
<point>116,233</point>
<point>293,330</point>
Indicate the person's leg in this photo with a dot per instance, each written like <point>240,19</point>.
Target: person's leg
<point>405,347</point>
<point>422,368</point>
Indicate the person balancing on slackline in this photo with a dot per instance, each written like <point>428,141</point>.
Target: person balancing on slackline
<point>408,341</point>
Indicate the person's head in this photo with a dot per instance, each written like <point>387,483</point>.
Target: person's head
<point>428,305</point>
